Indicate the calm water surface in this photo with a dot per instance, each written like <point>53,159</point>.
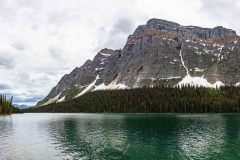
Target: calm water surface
<point>99,136</point>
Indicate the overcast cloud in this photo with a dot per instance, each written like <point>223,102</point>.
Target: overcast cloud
<point>41,40</point>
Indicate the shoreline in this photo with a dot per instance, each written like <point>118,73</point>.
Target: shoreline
<point>135,113</point>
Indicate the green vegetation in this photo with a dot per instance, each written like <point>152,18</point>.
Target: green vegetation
<point>6,106</point>
<point>73,91</point>
<point>152,100</point>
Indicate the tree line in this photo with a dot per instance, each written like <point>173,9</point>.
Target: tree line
<point>161,99</point>
<point>6,106</point>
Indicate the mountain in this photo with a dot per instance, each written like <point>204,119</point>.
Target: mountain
<point>158,53</point>
<point>21,106</point>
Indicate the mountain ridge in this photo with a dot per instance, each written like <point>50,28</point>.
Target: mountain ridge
<point>158,53</point>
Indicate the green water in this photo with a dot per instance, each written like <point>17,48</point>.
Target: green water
<point>99,136</point>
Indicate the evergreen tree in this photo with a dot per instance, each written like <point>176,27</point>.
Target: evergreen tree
<point>5,105</point>
<point>161,99</point>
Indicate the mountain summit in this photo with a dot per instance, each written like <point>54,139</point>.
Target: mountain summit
<point>158,53</point>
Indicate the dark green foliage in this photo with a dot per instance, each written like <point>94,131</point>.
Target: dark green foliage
<point>5,105</point>
<point>16,110</point>
<point>72,91</point>
<point>152,100</point>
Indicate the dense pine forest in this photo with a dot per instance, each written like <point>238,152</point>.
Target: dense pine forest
<point>152,100</point>
<point>6,106</point>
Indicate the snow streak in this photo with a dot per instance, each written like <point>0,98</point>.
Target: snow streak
<point>183,63</point>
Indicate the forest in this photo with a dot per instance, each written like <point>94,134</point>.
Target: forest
<point>6,107</point>
<point>152,100</point>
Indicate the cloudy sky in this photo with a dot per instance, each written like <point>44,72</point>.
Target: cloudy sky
<point>41,40</point>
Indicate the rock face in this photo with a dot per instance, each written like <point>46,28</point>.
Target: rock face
<point>158,53</point>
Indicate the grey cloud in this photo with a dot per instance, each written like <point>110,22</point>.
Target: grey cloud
<point>117,36</point>
<point>123,25</point>
<point>23,77</point>
<point>55,54</point>
<point>218,5</point>
<point>6,62</point>
<point>18,46</point>
<point>24,98</point>
<point>28,99</point>
<point>4,86</point>
<point>41,81</point>
<point>220,9</point>
<point>54,70</point>
<point>224,12</point>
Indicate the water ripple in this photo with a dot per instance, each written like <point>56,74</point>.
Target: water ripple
<point>99,136</point>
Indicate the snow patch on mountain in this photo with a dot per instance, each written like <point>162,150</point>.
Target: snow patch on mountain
<point>169,78</point>
<point>105,54</point>
<point>199,82</point>
<point>113,85</point>
<point>196,81</point>
<point>199,69</point>
<point>98,69</point>
<point>110,87</point>
<point>90,87</point>
<point>62,99</point>
<point>52,100</point>
<point>183,63</point>
<point>218,84</point>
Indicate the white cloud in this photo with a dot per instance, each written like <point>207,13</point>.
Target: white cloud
<point>40,41</point>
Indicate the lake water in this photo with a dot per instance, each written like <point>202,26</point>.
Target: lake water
<point>104,136</point>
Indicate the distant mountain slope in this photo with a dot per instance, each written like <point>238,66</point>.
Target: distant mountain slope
<point>158,53</point>
<point>21,106</point>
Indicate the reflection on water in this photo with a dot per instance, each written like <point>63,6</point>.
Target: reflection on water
<point>99,136</point>
<point>201,136</point>
<point>89,137</point>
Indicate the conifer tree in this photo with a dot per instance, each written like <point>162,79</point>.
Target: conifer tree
<point>6,106</point>
<point>161,99</point>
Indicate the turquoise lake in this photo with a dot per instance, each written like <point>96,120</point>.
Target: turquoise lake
<point>118,136</point>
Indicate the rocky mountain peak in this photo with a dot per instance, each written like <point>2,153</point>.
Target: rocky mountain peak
<point>153,23</point>
<point>185,31</point>
<point>158,53</point>
<point>106,52</point>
